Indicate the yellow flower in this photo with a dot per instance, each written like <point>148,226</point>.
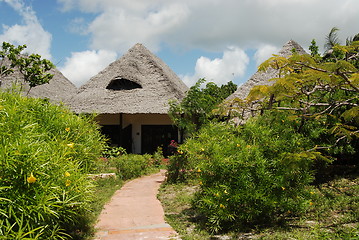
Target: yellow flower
<point>67,174</point>
<point>238,145</point>
<point>31,179</point>
<point>180,152</point>
<point>200,183</point>
<point>248,146</point>
<point>67,129</point>
<point>71,145</point>
<point>222,206</point>
<point>310,203</point>
<point>217,195</point>
<point>311,192</point>
<point>67,183</point>
<point>225,191</point>
<point>199,170</point>
<point>283,188</point>
<point>202,149</point>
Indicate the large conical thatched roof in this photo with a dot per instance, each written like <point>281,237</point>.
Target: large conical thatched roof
<point>138,82</point>
<point>261,78</point>
<point>59,89</point>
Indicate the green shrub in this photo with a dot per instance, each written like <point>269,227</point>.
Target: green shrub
<point>157,157</point>
<point>132,165</point>
<point>111,152</point>
<point>249,174</point>
<point>45,154</point>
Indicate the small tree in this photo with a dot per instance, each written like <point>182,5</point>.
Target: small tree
<point>32,67</point>
<point>196,108</point>
<point>321,95</point>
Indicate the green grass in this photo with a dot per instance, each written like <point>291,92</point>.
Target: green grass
<point>176,200</point>
<point>333,214</point>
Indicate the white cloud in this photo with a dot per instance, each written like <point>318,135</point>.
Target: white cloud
<point>128,28</point>
<point>81,66</point>
<point>220,70</point>
<point>30,33</point>
<point>214,24</point>
<point>264,52</point>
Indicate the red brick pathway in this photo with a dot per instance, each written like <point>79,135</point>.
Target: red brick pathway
<point>135,213</point>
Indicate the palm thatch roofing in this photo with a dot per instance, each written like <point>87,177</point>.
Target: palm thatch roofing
<point>261,78</point>
<point>138,82</point>
<point>58,90</point>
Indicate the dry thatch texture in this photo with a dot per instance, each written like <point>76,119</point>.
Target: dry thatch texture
<point>59,89</point>
<point>261,78</point>
<point>159,85</point>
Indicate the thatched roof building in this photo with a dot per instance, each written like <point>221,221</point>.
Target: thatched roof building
<point>138,82</point>
<point>261,78</point>
<point>59,89</point>
<point>132,97</point>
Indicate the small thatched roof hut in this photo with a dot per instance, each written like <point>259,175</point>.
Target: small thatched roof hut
<point>233,103</point>
<point>138,82</point>
<point>261,78</point>
<point>59,89</point>
<point>132,97</point>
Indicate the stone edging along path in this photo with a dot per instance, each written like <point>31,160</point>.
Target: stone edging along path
<point>134,212</point>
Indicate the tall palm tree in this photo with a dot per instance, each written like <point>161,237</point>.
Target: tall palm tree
<point>331,40</point>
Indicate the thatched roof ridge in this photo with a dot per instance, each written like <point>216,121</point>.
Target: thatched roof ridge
<point>59,89</point>
<point>261,78</point>
<point>158,82</point>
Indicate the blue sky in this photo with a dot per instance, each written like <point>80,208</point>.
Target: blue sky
<point>220,40</point>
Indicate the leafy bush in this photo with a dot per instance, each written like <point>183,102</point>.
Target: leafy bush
<point>157,157</point>
<point>132,165</point>
<point>45,153</point>
<point>111,152</point>
<point>247,174</point>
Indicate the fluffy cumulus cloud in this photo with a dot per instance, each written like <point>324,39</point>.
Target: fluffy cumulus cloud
<point>81,66</point>
<point>149,28</point>
<point>30,32</point>
<point>213,24</point>
<point>119,25</point>
<point>220,70</point>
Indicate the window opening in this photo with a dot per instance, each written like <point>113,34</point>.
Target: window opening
<point>122,84</point>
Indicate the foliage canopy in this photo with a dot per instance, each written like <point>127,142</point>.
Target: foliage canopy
<point>196,108</point>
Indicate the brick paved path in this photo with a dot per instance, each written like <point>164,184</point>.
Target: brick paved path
<point>135,213</point>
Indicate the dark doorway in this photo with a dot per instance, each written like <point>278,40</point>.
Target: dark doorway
<point>112,133</point>
<point>126,138</point>
<point>118,138</point>
<point>154,136</point>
